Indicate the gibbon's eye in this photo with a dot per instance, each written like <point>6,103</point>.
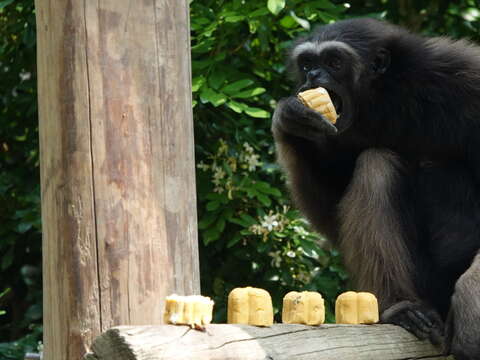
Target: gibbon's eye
<point>334,63</point>
<point>306,67</point>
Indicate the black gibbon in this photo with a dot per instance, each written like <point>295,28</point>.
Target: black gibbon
<point>395,183</point>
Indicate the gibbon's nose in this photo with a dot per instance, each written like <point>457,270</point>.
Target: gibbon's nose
<point>317,76</point>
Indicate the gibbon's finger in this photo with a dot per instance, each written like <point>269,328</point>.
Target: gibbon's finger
<point>405,325</point>
<point>423,317</point>
<point>321,122</point>
<point>419,321</point>
<point>294,118</point>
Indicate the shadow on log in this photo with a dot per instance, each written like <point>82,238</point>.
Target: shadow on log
<point>279,342</point>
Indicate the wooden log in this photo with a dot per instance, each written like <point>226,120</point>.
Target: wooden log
<point>117,165</point>
<point>279,342</point>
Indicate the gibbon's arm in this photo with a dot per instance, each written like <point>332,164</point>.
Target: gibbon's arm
<point>318,171</point>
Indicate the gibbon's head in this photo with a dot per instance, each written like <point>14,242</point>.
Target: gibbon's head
<point>350,59</point>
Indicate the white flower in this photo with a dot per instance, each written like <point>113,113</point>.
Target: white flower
<point>252,161</point>
<point>247,147</point>
<point>276,258</point>
<point>291,254</point>
<point>202,166</point>
<point>256,229</point>
<point>218,189</point>
<point>219,174</point>
<point>223,148</point>
<point>270,222</point>
<point>300,230</point>
<point>24,75</point>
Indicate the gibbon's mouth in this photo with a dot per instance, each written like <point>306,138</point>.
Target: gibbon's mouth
<point>337,102</point>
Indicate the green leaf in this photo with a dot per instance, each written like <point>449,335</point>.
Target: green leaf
<point>251,192</point>
<point>5,3</point>
<point>233,19</point>
<point>217,79</point>
<point>302,22</point>
<point>264,247</point>
<point>216,196</point>
<point>323,4</point>
<point>235,239</point>
<point>239,222</point>
<point>248,219</point>
<point>259,12</point>
<point>203,47</point>
<point>275,6</point>
<point>267,189</point>
<point>207,220</point>
<point>233,88</point>
<point>220,225</point>
<point>265,200</point>
<point>197,83</point>
<point>213,205</point>
<point>23,227</point>
<point>209,95</point>
<point>201,21</point>
<point>249,93</point>
<point>235,106</point>
<point>201,64</point>
<point>310,249</point>
<point>211,235</point>
<point>257,113</point>
<point>288,22</point>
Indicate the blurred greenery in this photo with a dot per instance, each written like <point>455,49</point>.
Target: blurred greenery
<point>249,233</point>
<point>20,237</point>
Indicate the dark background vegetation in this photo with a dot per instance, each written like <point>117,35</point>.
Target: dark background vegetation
<point>249,233</point>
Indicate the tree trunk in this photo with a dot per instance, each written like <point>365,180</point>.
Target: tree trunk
<point>117,165</point>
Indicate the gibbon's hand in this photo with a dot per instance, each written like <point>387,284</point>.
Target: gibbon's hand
<point>291,117</point>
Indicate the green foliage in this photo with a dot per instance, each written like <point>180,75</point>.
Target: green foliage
<point>250,235</point>
<point>16,350</point>
<point>441,17</point>
<point>20,243</point>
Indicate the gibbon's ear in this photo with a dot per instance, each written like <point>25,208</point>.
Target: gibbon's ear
<point>381,62</point>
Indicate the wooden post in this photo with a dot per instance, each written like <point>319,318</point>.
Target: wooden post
<point>279,342</point>
<point>117,165</point>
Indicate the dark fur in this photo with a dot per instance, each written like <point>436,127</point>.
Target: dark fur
<point>396,185</point>
<point>377,234</point>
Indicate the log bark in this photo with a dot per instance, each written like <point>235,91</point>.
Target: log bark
<point>117,165</point>
<point>279,342</point>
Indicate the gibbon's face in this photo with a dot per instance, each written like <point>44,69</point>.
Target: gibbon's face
<point>333,65</point>
<point>337,67</point>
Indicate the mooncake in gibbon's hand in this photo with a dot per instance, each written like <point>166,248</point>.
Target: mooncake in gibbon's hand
<point>319,100</point>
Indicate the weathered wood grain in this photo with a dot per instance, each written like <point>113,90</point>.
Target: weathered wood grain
<point>117,165</point>
<point>279,342</point>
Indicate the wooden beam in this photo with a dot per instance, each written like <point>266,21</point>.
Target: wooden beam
<point>117,165</point>
<point>279,342</point>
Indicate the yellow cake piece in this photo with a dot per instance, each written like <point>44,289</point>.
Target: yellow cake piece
<point>306,307</point>
<point>188,310</point>
<point>319,100</point>
<point>356,308</point>
<point>250,306</point>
